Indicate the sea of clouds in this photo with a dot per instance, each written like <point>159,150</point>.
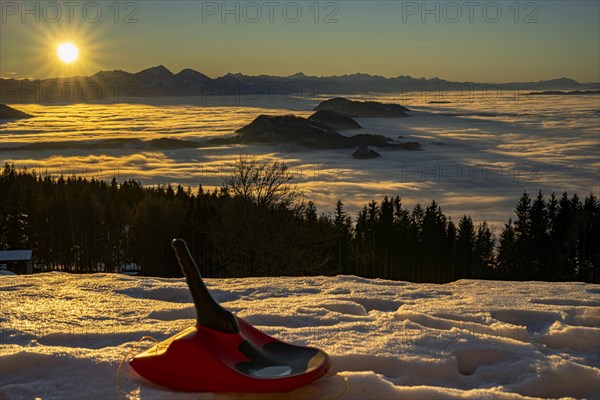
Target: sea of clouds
<point>480,150</point>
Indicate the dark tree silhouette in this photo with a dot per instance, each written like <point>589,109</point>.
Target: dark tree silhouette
<point>258,225</point>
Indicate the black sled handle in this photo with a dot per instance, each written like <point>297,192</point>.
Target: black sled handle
<point>208,312</point>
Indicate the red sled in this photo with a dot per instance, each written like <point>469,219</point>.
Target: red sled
<point>223,353</point>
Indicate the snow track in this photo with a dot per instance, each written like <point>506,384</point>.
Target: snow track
<point>63,336</point>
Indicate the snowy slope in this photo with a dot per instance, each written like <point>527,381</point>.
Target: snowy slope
<point>63,336</point>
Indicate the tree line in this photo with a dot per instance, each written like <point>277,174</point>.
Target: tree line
<point>257,224</point>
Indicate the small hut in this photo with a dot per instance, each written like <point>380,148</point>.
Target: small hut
<point>17,261</point>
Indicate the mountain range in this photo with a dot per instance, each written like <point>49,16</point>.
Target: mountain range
<point>160,82</point>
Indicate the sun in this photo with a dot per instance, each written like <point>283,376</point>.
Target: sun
<point>67,52</point>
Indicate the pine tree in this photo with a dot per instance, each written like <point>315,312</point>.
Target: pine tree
<point>538,239</point>
<point>343,225</point>
<point>451,251</point>
<point>522,229</point>
<point>434,241</point>
<point>508,253</point>
<point>484,252</point>
<point>589,241</point>
<point>465,248</point>
<point>416,243</point>
<point>310,212</point>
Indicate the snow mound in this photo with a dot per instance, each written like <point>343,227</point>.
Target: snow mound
<point>64,336</point>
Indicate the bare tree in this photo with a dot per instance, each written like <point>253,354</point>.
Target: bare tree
<point>262,183</point>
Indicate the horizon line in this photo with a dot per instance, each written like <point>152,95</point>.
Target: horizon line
<point>291,76</point>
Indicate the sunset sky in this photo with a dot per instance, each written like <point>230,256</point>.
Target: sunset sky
<point>529,41</point>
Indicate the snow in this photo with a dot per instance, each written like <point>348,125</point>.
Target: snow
<point>64,336</point>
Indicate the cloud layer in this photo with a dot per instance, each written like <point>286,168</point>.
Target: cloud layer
<point>479,152</point>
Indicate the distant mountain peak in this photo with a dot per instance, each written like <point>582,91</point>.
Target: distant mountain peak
<point>561,79</point>
<point>159,70</point>
<point>188,71</point>
<point>298,75</point>
<point>110,74</point>
<point>191,73</point>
